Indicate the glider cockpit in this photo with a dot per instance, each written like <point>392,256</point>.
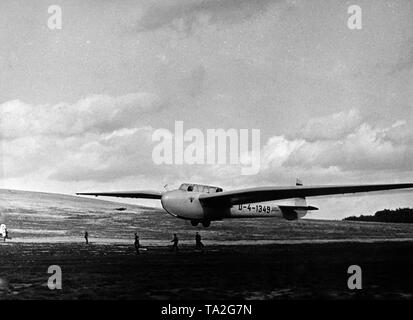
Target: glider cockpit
<point>191,187</point>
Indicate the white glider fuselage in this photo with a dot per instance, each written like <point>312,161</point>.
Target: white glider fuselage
<point>186,205</point>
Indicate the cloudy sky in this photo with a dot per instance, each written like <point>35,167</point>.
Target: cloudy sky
<point>78,106</point>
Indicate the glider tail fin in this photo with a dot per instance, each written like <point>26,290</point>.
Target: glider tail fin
<point>300,202</point>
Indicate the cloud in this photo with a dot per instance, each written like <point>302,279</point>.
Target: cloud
<point>95,113</point>
<point>183,15</point>
<point>344,142</point>
<point>112,156</point>
<point>110,143</point>
<point>331,127</point>
<point>84,140</point>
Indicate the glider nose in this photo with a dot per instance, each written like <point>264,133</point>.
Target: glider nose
<point>182,204</point>
<point>167,202</point>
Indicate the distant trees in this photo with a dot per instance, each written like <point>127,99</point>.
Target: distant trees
<point>400,215</point>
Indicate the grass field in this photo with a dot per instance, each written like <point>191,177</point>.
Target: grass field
<point>246,259</point>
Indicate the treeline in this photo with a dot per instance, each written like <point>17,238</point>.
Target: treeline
<point>401,215</point>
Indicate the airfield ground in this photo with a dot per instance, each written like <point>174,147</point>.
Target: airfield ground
<point>276,271</point>
<point>246,258</point>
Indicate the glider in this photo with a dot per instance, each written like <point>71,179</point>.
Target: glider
<point>203,204</point>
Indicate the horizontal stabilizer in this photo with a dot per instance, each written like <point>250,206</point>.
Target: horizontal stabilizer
<point>308,208</point>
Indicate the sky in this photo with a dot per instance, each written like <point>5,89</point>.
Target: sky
<point>79,105</point>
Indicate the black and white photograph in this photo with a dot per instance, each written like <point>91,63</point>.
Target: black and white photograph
<point>220,152</point>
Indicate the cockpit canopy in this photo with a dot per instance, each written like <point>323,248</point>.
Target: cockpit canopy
<point>191,187</point>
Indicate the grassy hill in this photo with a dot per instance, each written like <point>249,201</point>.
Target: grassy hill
<point>33,216</point>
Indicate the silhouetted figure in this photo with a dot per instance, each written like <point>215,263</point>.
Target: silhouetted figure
<point>87,237</point>
<point>175,241</point>
<point>198,242</point>
<point>137,245</point>
<point>7,235</point>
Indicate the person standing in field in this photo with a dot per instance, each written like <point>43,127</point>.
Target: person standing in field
<point>137,245</point>
<point>175,242</point>
<point>87,237</point>
<point>198,242</point>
